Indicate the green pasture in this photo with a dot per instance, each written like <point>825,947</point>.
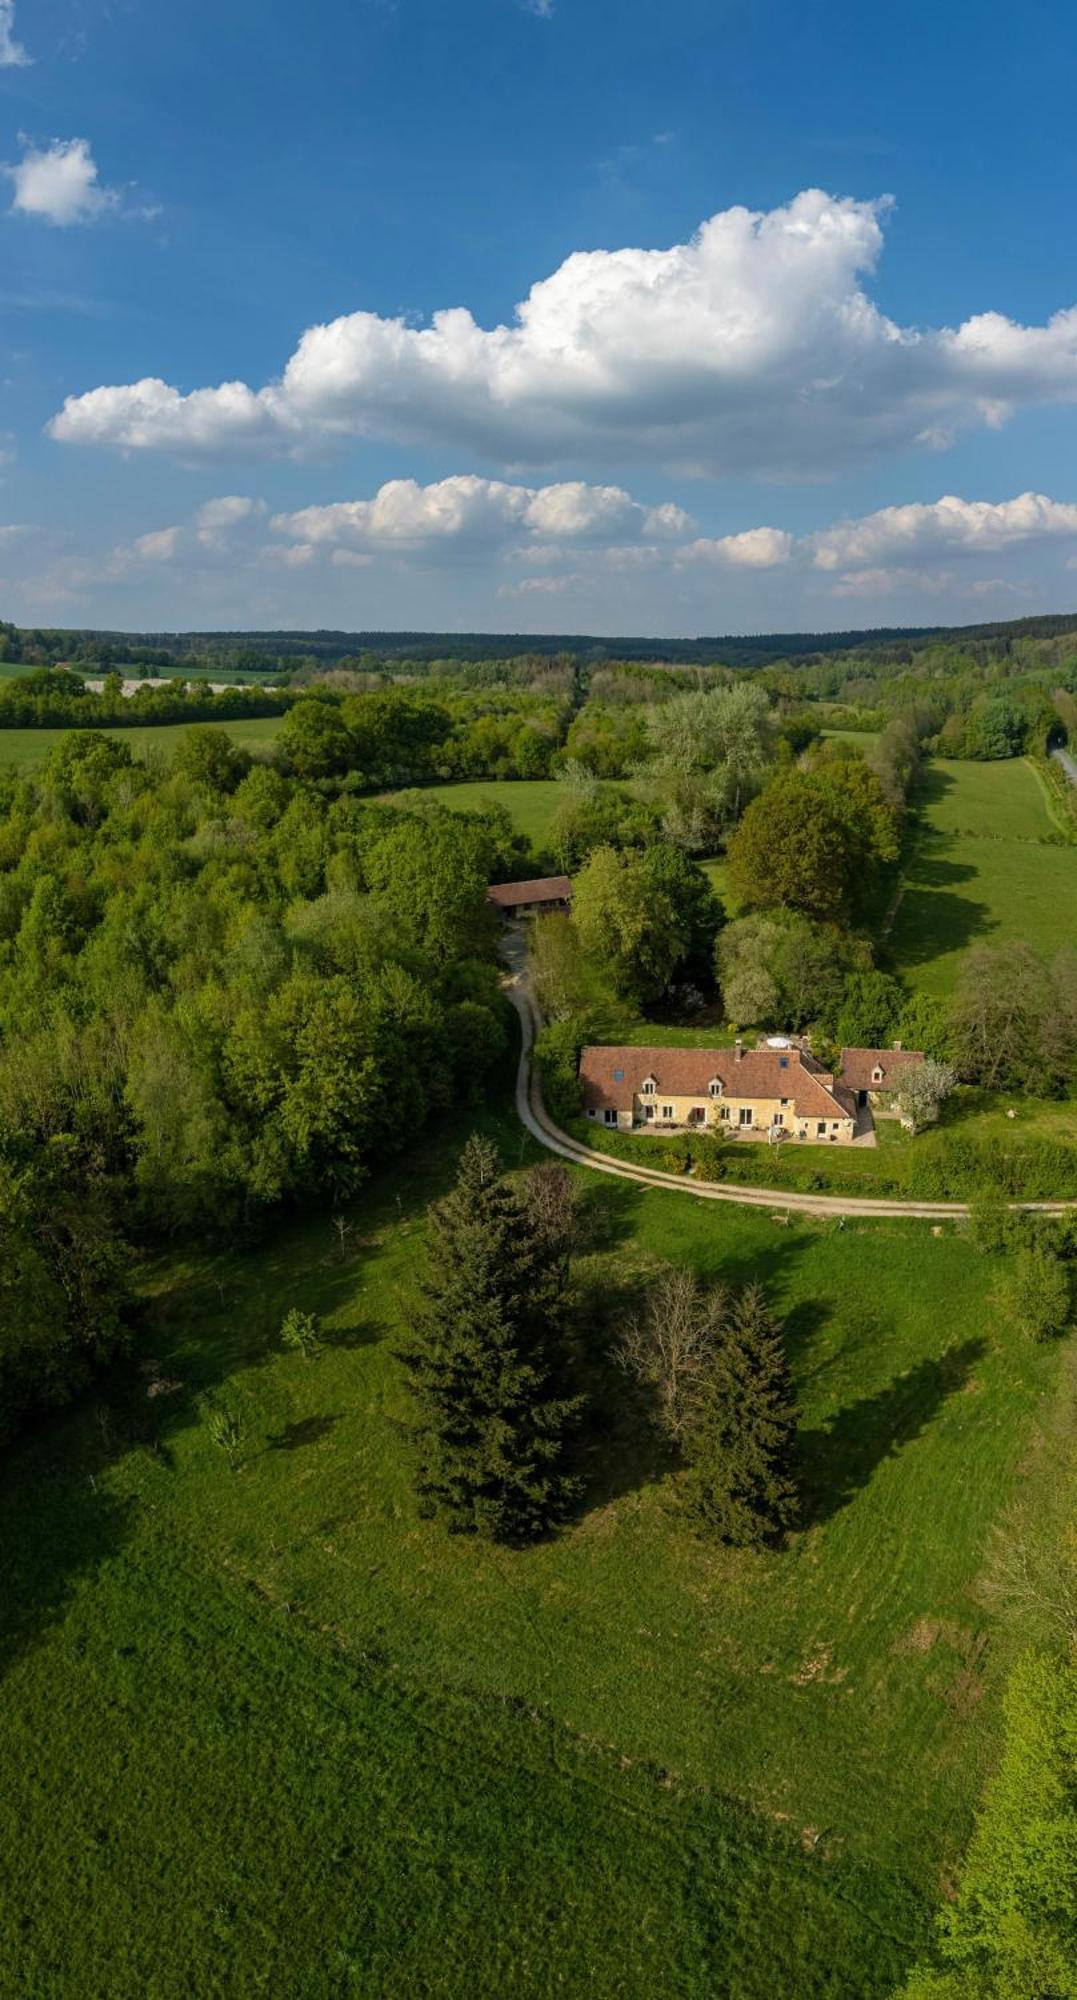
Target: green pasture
<point>531,803</point>
<point>25,747</point>
<point>270,1731</point>
<point>985,866</point>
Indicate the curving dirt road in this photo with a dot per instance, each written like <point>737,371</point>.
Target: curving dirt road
<point>534,1116</point>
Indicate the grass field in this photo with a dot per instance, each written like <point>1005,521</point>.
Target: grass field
<point>25,747</point>
<point>267,1731</point>
<point>984,869</point>
<point>530,802</point>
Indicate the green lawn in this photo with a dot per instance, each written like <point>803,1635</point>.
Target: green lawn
<point>925,1168</point>
<point>270,1732</point>
<point>25,747</point>
<point>530,802</point>
<point>986,868</point>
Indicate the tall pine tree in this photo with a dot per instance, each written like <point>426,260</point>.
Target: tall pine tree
<point>488,1366</point>
<point>741,1441</point>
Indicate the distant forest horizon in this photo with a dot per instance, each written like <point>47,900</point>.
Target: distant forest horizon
<point>730,649</point>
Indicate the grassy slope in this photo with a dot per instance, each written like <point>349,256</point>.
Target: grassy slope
<point>268,1731</point>
<point>982,872</point>
<point>24,747</point>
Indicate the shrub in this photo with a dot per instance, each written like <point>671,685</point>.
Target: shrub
<point>1041,1293</point>
<point>991,1222</point>
<point>300,1334</point>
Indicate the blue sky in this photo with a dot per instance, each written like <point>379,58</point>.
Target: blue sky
<point>791,278</point>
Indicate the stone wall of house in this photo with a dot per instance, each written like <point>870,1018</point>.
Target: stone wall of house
<point>763,1110</point>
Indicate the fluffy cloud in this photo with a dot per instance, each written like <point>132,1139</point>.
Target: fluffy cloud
<point>229,510</point>
<point>160,546</point>
<point>753,348</point>
<point>59,184</point>
<point>404,515</point>
<point>12,53</point>
<point>215,531</point>
<point>949,525</point>
<point>216,520</point>
<point>756,548</point>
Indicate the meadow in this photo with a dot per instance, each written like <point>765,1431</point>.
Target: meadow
<point>531,803</point>
<point>23,748</point>
<point>334,1750</point>
<point>986,865</point>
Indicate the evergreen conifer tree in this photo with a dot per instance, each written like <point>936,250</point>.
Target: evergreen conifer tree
<point>488,1364</point>
<point>741,1440</point>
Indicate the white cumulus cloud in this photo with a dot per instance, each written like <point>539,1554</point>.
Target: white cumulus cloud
<point>403,514</point>
<point>160,546</point>
<point>229,510</point>
<point>755,548</point>
<point>949,525</point>
<point>12,53</point>
<point>59,184</point>
<point>753,348</point>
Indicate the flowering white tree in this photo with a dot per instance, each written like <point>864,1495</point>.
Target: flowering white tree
<point>922,1092</point>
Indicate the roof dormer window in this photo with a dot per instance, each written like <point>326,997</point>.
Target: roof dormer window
<point>649,1086</point>
<point>877,1073</point>
<point>715,1086</point>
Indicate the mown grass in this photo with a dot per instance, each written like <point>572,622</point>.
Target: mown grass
<point>531,803</point>
<point>270,1731</point>
<point>25,747</point>
<point>985,867</point>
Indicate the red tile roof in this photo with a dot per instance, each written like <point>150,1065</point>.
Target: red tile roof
<point>858,1066</point>
<point>776,1073</point>
<point>546,889</point>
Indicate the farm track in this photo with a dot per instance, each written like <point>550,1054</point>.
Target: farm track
<point>536,1120</point>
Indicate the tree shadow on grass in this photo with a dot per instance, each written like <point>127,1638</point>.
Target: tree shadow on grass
<point>605,1216</point>
<point>62,1519</point>
<point>304,1431</point>
<point>841,1457</point>
<point>622,1448</point>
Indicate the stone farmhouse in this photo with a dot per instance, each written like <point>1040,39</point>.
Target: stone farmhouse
<point>873,1075</point>
<point>522,899</point>
<point>741,1093</point>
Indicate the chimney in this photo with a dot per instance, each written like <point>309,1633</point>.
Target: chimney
<point>739,1047</point>
<point>897,1046</point>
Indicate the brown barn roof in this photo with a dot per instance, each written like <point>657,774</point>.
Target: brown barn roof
<point>857,1066</point>
<point>612,1077</point>
<point>546,889</point>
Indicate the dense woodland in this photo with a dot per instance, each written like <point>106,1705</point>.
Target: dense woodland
<point>220,989</point>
